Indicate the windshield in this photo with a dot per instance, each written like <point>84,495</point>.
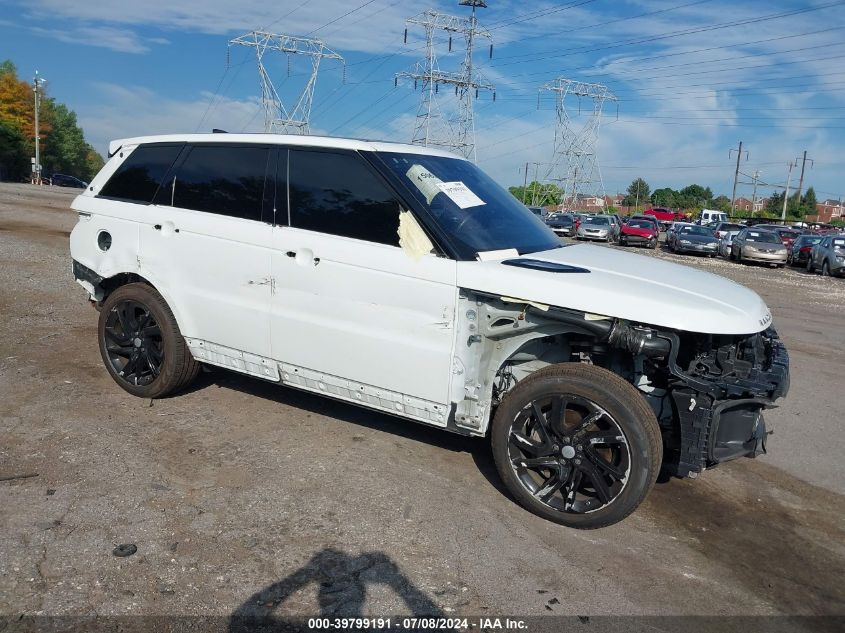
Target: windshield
<point>696,230</point>
<point>598,221</point>
<point>764,237</point>
<point>809,239</point>
<point>731,227</point>
<point>640,224</point>
<point>474,212</point>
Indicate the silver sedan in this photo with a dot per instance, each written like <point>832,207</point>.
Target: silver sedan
<point>595,228</point>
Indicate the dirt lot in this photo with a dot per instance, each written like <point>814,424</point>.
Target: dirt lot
<point>241,495</point>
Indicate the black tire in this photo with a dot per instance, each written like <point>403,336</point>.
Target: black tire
<point>825,269</point>
<point>137,329</point>
<point>810,268</point>
<point>576,453</point>
<point>654,243</point>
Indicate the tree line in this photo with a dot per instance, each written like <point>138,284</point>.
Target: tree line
<point>63,147</point>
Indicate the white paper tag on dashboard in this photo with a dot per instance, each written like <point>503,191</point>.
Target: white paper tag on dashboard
<point>460,194</point>
<point>425,181</point>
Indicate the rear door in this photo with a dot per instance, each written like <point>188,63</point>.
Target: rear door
<point>351,304</point>
<point>208,238</point>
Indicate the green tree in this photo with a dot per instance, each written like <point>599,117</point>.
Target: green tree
<point>13,152</point>
<point>544,194</point>
<point>774,205</point>
<point>664,197</point>
<point>722,203</point>
<point>808,202</point>
<point>638,192</point>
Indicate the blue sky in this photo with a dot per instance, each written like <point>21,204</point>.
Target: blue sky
<point>693,77</point>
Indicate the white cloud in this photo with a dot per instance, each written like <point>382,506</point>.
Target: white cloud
<point>120,40</point>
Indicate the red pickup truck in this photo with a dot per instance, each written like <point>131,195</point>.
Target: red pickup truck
<point>666,216</point>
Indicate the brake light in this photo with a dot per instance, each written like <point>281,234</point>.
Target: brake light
<point>805,249</point>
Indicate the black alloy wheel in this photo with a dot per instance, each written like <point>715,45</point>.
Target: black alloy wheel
<point>141,344</point>
<point>134,343</point>
<point>577,444</point>
<point>569,453</point>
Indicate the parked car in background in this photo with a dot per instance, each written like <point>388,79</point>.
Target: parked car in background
<point>799,252</point>
<point>720,228</point>
<point>709,215</point>
<point>758,245</point>
<point>672,233</point>
<point>786,235</point>
<point>648,218</point>
<point>540,212</point>
<point>665,216</point>
<point>561,224</point>
<point>596,227</point>
<point>694,239</point>
<point>828,256</point>
<point>63,180</point>
<point>725,243</point>
<point>615,226</point>
<point>639,231</point>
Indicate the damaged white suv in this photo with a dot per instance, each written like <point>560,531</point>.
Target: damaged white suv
<point>404,279</point>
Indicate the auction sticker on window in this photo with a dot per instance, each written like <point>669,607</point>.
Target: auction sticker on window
<point>460,194</point>
<point>425,181</point>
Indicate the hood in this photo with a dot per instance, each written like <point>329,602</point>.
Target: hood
<point>628,286</point>
<point>637,230</point>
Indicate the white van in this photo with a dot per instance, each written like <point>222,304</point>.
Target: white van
<point>709,215</point>
<point>404,279</point>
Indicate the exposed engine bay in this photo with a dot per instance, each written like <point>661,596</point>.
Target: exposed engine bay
<point>707,391</point>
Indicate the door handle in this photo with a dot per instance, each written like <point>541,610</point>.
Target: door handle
<point>157,227</point>
<point>291,253</point>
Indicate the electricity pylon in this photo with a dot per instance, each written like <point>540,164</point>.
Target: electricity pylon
<point>277,117</point>
<point>432,127</point>
<point>574,163</point>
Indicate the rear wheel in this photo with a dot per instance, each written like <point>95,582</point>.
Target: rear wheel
<point>810,267</point>
<point>576,444</point>
<point>825,269</point>
<point>141,345</point>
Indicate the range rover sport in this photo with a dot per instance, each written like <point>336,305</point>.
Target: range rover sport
<point>404,279</point>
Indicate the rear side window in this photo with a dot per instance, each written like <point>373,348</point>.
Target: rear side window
<point>140,175</point>
<point>337,193</point>
<point>221,179</point>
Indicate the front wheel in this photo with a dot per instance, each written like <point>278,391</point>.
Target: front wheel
<point>141,345</point>
<point>577,445</point>
<point>810,267</point>
<point>825,269</point>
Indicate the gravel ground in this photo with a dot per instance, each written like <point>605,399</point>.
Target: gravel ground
<point>242,496</point>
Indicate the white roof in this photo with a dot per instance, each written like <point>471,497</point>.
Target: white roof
<point>284,139</point>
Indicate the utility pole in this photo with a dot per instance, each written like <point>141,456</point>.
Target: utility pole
<point>736,174</point>
<point>525,184</point>
<point>786,193</point>
<point>36,85</point>
<point>803,165</point>
<point>754,196</point>
<point>433,127</point>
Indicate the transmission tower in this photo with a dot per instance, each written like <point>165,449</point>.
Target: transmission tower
<point>277,117</point>
<point>574,163</point>
<point>432,127</point>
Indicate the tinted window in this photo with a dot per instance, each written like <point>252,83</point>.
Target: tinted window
<point>222,179</point>
<point>337,193</point>
<point>140,175</point>
<point>469,207</point>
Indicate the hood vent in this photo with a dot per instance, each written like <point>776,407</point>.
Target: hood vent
<point>539,264</point>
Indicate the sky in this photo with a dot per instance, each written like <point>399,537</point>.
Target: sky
<point>692,78</point>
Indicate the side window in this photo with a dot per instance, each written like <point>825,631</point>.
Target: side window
<point>337,193</point>
<point>140,175</point>
<point>221,179</point>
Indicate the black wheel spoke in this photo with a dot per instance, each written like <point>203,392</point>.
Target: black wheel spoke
<point>605,466</point>
<point>542,424</point>
<point>588,421</point>
<point>151,331</point>
<point>120,339</point>
<point>605,437</point>
<point>572,487</point>
<point>153,367</point>
<point>124,351</point>
<point>558,411</point>
<point>549,461</point>
<point>550,486</point>
<point>597,481</point>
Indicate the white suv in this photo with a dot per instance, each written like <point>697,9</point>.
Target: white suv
<point>404,279</point>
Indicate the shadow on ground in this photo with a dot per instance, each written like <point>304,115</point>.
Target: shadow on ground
<point>341,581</point>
